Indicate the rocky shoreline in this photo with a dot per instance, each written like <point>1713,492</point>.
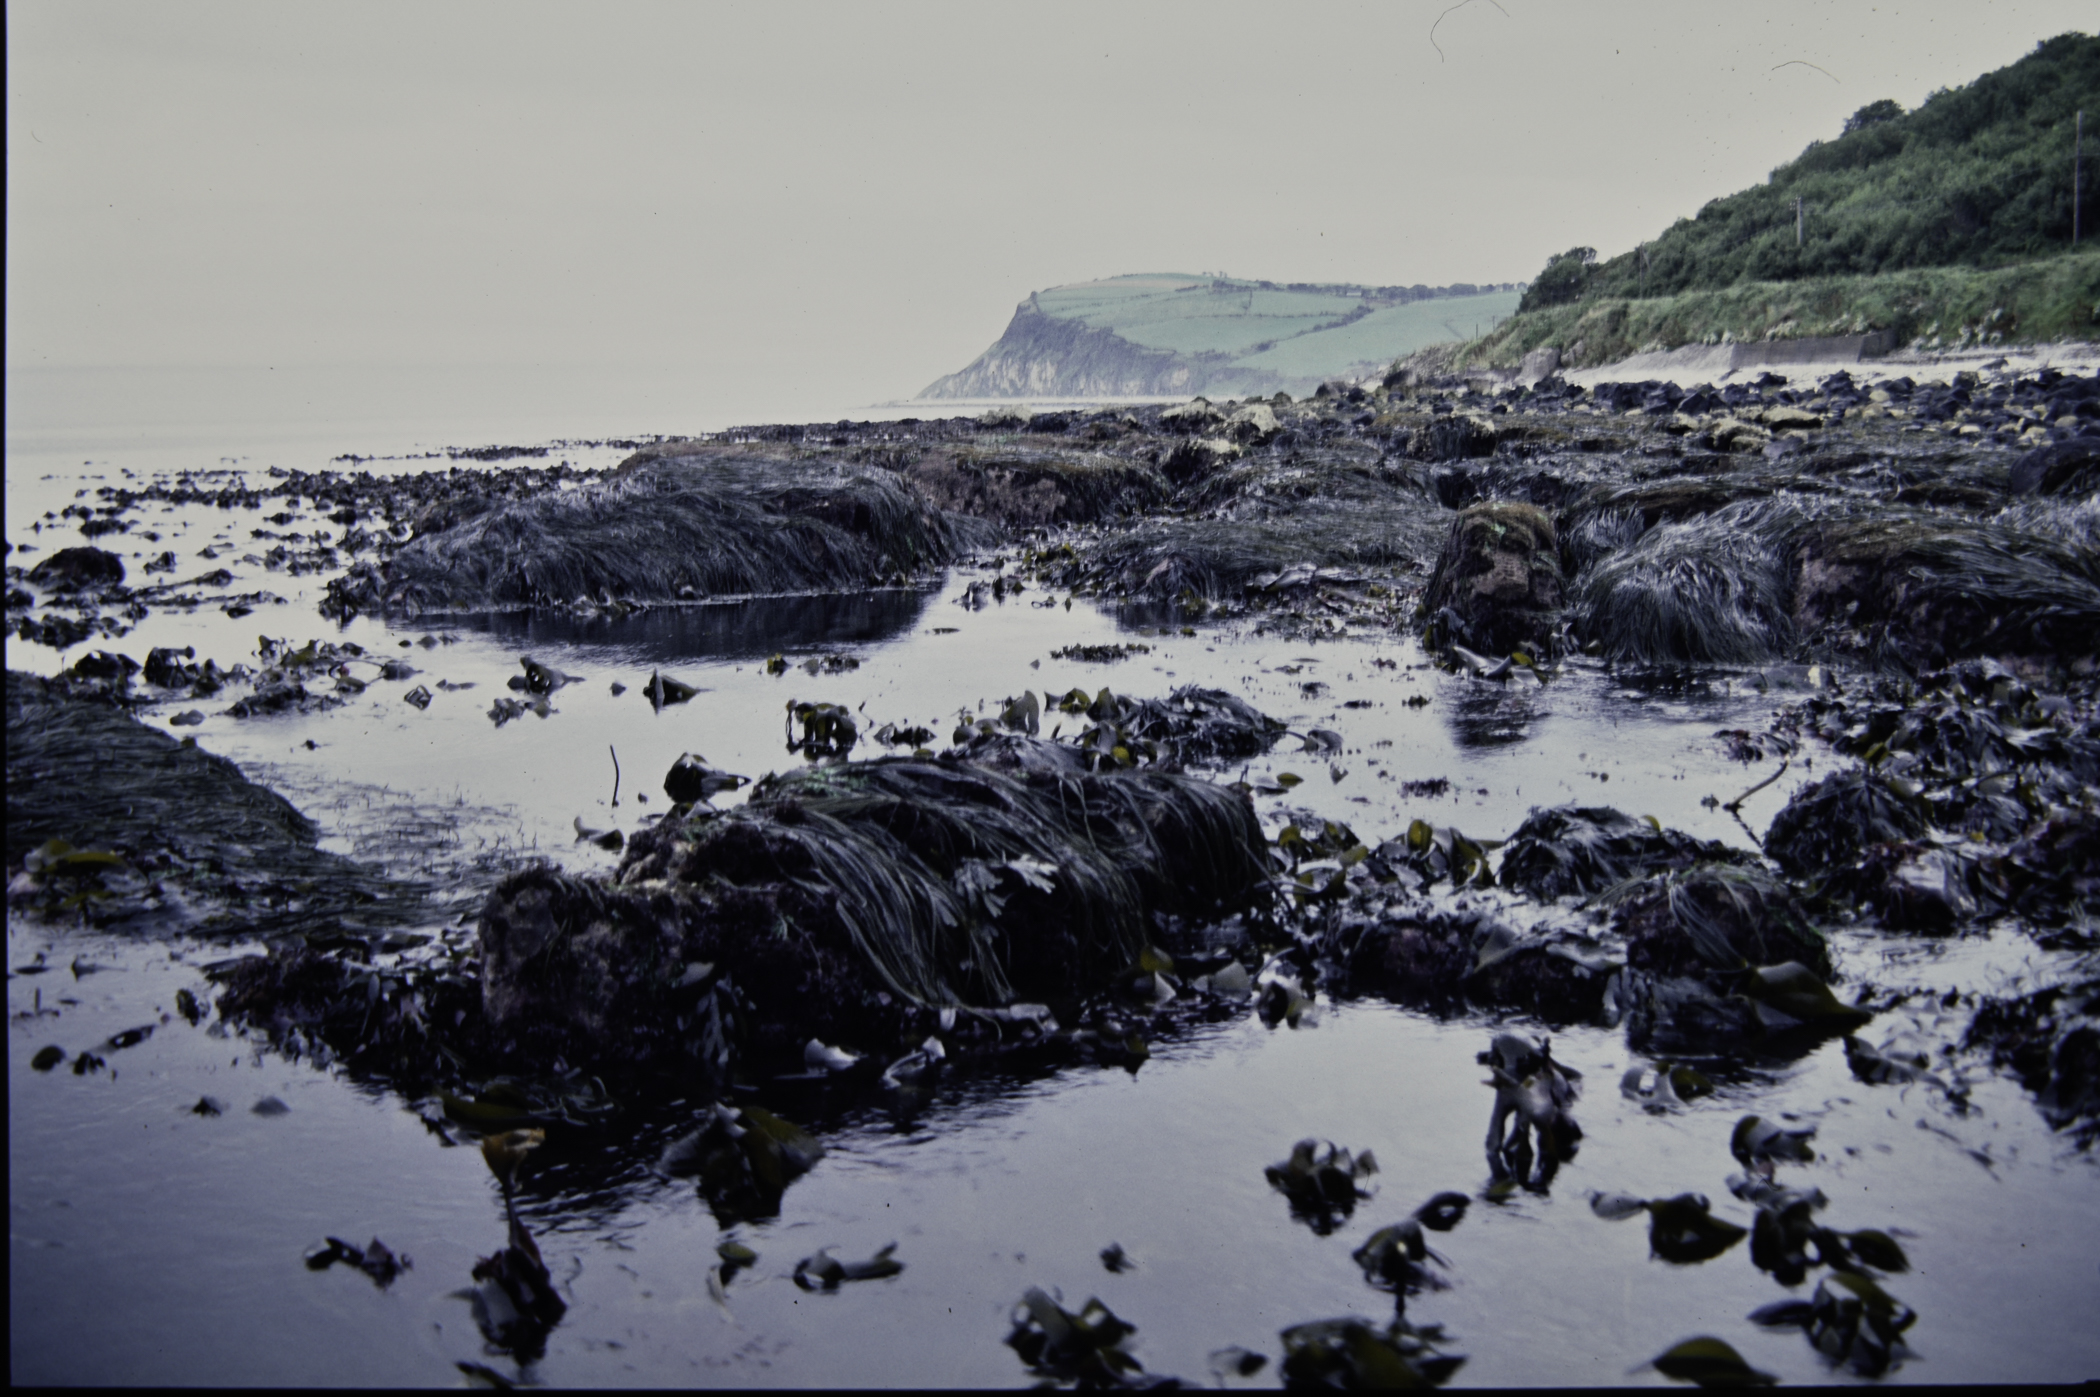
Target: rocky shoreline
<point>1075,895</point>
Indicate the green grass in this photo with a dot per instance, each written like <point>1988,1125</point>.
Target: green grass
<point>1929,307</point>
<point>1386,333</point>
<point>1301,334</point>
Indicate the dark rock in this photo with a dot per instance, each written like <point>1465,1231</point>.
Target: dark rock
<point>271,697</point>
<point>164,667</point>
<point>78,569</point>
<point>1717,918</point>
<point>1449,957</point>
<point>1499,573</point>
<point>2062,468</point>
<point>691,781</point>
<point>842,895</point>
<point>105,667</point>
<point>1586,849</point>
<point>1831,824</point>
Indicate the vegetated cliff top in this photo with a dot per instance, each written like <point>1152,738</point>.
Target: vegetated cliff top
<point>1977,176</point>
<point>1170,333</point>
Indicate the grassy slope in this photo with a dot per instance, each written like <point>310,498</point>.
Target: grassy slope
<point>1392,331</point>
<point>1926,307</point>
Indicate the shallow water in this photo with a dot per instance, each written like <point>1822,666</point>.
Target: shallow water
<point>150,1245</point>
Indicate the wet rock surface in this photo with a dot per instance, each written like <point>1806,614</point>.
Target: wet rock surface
<point>1080,878</point>
<point>1628,520</point>
<point>131,828</point>
<point>1498,578</point>
<point>669,524</point>
<point>1586,849</point>
<point>852,901</point>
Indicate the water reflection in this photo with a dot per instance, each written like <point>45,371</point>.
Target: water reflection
<point>1141,614</point>
<point>755,627</point>
<point>514,1300</point>
<point>1485,713</point>
<point>1669,682</point>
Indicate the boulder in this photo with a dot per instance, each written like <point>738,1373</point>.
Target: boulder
<point>1499,575</point>
<point>77,569</point>
<point>1194,458</point>
<point>1586,849</point>
<point>1789,419</point>
<point>1191,417</point>
<point>1538,365</point>
<point>1255,423</point>
<point>2064,468</point>
<point>1717,918</point>
<point>1734,434</point>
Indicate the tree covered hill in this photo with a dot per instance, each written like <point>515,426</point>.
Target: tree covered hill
<point>1977,176</point>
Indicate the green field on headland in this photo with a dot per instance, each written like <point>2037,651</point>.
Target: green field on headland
<point>1171,333</point>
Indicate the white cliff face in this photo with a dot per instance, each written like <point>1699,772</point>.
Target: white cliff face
<point>1041,356</point>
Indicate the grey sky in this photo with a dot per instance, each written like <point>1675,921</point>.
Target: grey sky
<point>859,193</point>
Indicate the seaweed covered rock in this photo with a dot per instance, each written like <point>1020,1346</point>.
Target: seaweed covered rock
<point>2052,873</point>
<point>1026,486</point>
<point>2051,1038</point>
<point>1831,824</point>
<point>2046,870</point>
<point>1448,957</point>
<point>1717,917</point>
<point>1711,589</point>
<point>1274,513</point>
<point>1740,571</point>
<point>1498,576</point>
<point>842,896</point>
<point>79,569</point>
<point>1925,587</point>
<point>162,836</point>
<point>2060,468</point>
<point>1586,849</point>
<point>1781,1008</point>
<point>675,522</point>
<point>1190,725</point>
<point>307,999</point>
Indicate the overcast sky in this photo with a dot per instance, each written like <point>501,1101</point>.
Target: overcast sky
<point>859,193</point>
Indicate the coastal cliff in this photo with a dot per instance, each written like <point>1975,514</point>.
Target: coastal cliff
<point>1043,356</point>
<point>1175,335</point>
